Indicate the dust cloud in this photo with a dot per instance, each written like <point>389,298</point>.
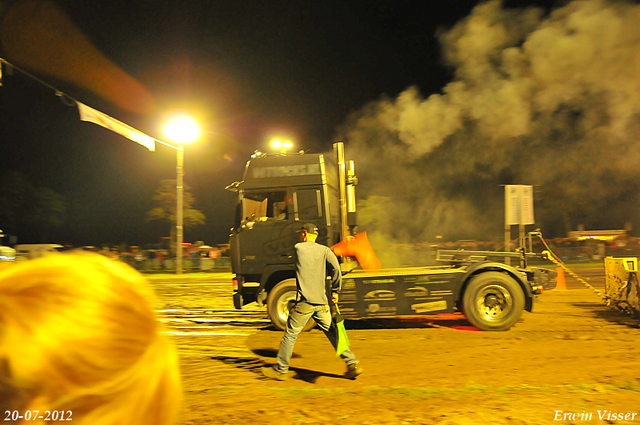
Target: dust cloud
<point>547,99</point>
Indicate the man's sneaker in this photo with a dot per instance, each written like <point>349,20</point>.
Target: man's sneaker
<point>353,370</point>
<point>270,372</point>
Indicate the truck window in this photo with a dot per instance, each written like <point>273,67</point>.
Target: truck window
<point>308,204</point>
<point>258,205</point>
<point>253,210</point>
<point>237,217</point>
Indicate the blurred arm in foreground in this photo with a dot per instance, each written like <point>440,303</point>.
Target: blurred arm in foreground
<point>38,35</point>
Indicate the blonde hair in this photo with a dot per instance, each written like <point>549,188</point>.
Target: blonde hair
<point>80,332</point>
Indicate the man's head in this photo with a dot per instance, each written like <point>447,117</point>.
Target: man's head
<point>309,232</point>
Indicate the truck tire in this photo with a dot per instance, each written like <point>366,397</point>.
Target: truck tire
<point>281,299</point>
<point>493,301</point>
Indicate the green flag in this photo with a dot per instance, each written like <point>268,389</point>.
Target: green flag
<point>342,339</point>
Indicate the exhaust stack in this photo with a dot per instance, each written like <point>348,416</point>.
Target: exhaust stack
<point>347,181</point>
<point>351,245</point>
<point>338,150</point>
<point>352,181</point>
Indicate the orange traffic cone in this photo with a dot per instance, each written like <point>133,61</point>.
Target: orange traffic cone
<point>561,284</point>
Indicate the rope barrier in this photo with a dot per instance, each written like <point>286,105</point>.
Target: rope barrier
<point>557,261</point>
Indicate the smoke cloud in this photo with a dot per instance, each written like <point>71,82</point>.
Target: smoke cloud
<point>551,100</point>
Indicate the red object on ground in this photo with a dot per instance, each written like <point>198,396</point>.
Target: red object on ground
<point>358,246</point>
<point>465,328</point>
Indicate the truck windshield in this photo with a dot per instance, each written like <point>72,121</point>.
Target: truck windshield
<point>260,205</point>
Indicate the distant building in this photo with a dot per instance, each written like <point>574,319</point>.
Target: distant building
<point>602,235</point>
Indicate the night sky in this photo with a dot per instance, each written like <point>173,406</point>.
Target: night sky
<point>249,70</point>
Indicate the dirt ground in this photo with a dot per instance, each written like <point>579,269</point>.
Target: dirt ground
<point>571,360</point>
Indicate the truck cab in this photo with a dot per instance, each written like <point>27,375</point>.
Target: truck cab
<point>278,194</point>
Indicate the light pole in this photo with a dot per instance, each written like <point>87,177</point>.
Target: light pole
<point>180,129</point>
<point>179,208</point>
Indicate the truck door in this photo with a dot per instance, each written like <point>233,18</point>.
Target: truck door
<point>267,230</point>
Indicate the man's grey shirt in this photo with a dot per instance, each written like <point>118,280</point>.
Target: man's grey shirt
<point>312,261</point>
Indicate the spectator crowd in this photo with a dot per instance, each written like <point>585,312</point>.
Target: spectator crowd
<point>195,257</point>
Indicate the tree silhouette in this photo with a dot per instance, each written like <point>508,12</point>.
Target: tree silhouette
<point>165,209</point>
<point>15,194</point>
<point>48,212</point>
<point>27,209</point>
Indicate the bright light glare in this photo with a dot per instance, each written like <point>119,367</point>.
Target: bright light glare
<point>182,129</point>
<point>283,146</point>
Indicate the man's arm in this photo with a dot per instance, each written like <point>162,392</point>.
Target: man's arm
<point>336,274</point>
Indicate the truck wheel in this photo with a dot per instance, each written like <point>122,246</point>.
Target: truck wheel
<point>493,301</point>
<point>281,299</point>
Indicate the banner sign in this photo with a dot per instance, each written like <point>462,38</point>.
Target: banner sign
<point>518,203</point>
<point>93,115</point>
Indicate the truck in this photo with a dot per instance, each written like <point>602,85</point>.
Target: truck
<point>36,250</point>
<point>281,192</point>
<point>6,252</point>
